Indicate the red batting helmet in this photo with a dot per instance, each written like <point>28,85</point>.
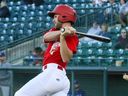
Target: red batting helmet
<point>66,13</point>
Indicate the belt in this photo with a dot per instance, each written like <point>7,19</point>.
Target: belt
<point>58,67</point>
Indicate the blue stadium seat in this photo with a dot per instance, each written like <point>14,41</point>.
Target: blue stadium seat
<point>126,28</point>
<point>79,52</point>
<point>24,7</point>
<point>2,38</point>
<point>108,61</point>
<point>73,1</point>
<point>29,32</point>
<point>119,52</point>
<point>107,45</point>
<point>11,3</point>
<point>48,19</point>
<point>87,52</point>
<point>47,25</point>
<point>98,53</point>
<point>33,7</point>
<point>14,19</point>
<point>64,1</point>
<point>24,13</point>
<point>50,7</point>
<point>7,19</point>
<point>18,3</point>
<point>10,39</point>
<point>87,61</point>
<point>109,53</point>
<point>23,19</point>
<point>76,61</point>
<point>20,32</point>
<point>17,9</point>
<point>81,6</point>
<point>39,13</point>
<point>22,25</point>
<point>41,8</point>
<point>115,30</point>
<point>3,32</point>
<point>11,31</point>
<point>57,1</point>
<point>82,12</point>
<point>74,5</point>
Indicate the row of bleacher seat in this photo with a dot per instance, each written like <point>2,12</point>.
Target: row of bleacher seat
<point>34,18</point>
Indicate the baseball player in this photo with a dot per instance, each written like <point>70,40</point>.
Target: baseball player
<point>62,44</point>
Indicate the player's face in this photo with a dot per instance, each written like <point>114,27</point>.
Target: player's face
<point>56,22</point>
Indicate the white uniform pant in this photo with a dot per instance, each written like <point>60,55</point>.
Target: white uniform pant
<point>51,82</point>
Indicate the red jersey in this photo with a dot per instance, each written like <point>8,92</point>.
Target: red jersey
<point>52,53</point>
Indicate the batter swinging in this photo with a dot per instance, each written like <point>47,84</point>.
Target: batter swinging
<point>62,44</point>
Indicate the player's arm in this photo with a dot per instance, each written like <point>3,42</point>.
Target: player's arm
<point>51,36</point>
<point>65,52</point>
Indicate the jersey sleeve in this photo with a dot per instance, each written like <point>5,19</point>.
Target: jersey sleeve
<point>72,43</point>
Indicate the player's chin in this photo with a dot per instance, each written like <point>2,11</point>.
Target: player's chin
<point>57,26</point>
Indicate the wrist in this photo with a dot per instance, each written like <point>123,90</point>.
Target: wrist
<point>62,36</point>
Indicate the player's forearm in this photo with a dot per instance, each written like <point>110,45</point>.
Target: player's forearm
<point>52,36</point>
<point>65,52</point>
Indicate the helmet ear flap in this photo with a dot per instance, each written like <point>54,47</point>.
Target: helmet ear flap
<point>62,18</point>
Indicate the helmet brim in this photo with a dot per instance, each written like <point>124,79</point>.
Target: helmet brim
<point>51,14</point>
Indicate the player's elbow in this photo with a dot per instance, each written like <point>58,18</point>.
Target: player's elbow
<point>45,38</point>
<point>67,58</point>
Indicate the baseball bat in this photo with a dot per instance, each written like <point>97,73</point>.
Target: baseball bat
<point>95,37</point>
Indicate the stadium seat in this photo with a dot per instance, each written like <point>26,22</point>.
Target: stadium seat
<point>11,32</point>
<point>3,32</point>
<point>79,52</point>
<point>76,61</point>
<point>2,38</point>
<point>41,7</point>
<point>82,5</point>
<point>24,7</point>
<point>108,61</point>
<point>74,6</point>
<point>115,30</point>
<point>87,61</point>
<point>11,3</point>
<point>107,45</point>
<point>98,53</point>
<point>10,39</point>
<point>87,45</point>
<point>119,52</point>
<point>48,19</point>
<point>18,3</point>
<point>109,53</point>
<point>47,25</point>
<point>17,9</point>
<point>73,1</point>
<point>87,52</point>
<point>39,13</point>
<point>22,25</point>
<point>126,53</point>
<point>7,19</point>
<point>14,19</point>
<point>29,32</point>
<point>20,32</point>
<point>82,12</point>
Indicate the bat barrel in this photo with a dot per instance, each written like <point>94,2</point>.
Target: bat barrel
<point>95,37</point>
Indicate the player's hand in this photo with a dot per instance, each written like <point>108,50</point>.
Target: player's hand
<point>125,76</point>
<point>68,31</point>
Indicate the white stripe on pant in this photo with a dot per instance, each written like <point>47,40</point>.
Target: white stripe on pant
<point>51,82</point>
